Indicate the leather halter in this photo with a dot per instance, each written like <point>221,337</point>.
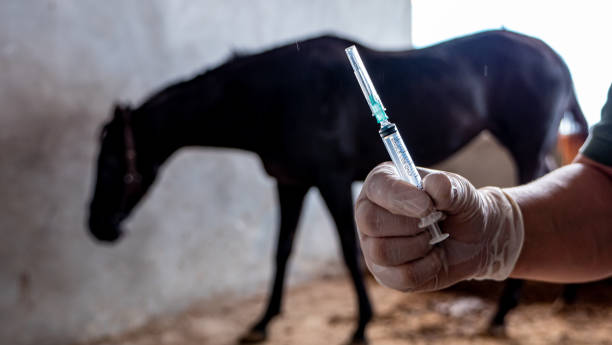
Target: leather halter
<point>132,180</point>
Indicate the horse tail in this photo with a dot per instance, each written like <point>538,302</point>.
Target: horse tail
<point>577,115</point>
<point>573,131</point>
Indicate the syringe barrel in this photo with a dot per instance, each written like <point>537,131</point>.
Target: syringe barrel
<point>408,171</point>
<point>399,155</point>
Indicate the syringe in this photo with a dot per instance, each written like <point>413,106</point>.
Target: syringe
<point>393,142</point>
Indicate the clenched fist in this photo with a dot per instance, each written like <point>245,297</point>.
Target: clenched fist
<point>485,227</point>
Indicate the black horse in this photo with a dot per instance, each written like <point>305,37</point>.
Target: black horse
<point>302,112</point>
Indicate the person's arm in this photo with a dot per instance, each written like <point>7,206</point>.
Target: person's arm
<point>557,228</point>
<point>567,218</point>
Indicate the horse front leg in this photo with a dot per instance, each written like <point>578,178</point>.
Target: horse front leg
<point>291,198</point>
<point>508,300</point>
<point>337,196</point>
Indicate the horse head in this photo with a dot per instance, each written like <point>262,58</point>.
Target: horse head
<point>123,176</point>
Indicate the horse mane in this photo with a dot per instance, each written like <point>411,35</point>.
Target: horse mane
<point>236,58</point>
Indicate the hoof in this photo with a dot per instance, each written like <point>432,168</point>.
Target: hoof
<point>496,331</point>
<point>563,307</point>
<point>357,341</point>
<point>253,336</point>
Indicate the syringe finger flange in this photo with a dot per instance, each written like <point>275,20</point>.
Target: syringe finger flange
<point>431,218</point>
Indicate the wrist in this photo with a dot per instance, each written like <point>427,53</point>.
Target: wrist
<point>504,234</point>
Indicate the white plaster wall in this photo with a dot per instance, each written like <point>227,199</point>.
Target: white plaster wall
<point>209,227</point>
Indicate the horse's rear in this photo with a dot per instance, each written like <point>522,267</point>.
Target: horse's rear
<point>442,96</point>
<point>515,86</point>
<point>528,93</point>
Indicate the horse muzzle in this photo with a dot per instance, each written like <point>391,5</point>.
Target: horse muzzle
<point>106,229</point>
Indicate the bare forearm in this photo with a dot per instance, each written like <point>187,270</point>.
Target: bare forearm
<point>568,224</point>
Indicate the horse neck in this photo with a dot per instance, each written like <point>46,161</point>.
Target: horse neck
<point>190,114</point>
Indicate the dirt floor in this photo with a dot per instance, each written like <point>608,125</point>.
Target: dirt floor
<point>323,312</point>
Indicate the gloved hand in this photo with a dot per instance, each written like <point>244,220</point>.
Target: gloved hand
<point>485,227</point>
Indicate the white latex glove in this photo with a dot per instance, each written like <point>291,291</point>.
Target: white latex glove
<point>485,227</point>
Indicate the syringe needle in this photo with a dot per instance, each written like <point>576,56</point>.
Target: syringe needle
<point>393,141</point>
<point>369,92</point>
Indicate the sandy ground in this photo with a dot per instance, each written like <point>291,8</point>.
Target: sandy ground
<point>323,312</point>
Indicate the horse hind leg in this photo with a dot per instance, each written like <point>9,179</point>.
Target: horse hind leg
<point>291,198</point>
<point>530,152</point>
<point>570,293</point>
<point>566,302</point>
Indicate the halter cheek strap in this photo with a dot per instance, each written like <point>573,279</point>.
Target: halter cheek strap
<point>132,179</point>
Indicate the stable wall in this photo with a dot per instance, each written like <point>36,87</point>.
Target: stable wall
<point>209,226</point>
